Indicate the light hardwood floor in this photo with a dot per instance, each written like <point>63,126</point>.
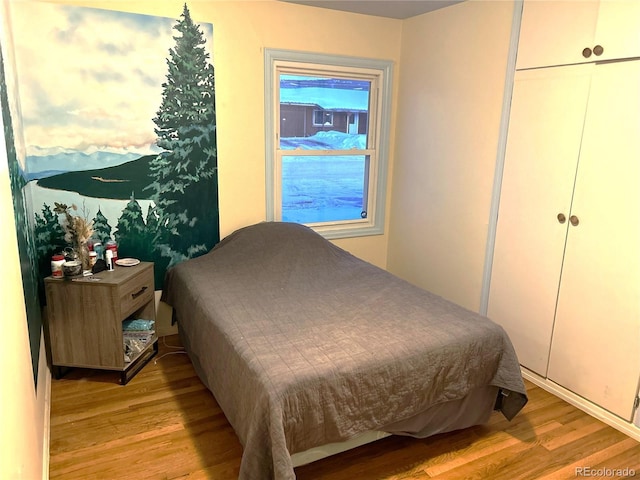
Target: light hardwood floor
<point>164,424</point>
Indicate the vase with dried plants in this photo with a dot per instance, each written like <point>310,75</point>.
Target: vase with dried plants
<point>78,230</point>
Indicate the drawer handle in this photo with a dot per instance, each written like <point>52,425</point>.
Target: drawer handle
<point>138,293</point>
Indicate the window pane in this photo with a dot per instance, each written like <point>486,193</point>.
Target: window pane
<point>324,188</point>
<point>313,106</point>
<point>331,175</point>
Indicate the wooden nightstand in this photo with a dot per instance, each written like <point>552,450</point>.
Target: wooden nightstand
<point>85,315</point>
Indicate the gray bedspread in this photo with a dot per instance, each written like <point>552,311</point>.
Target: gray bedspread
<point>303,344</point>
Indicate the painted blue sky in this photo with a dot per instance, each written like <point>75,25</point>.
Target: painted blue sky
<point>90,79</point>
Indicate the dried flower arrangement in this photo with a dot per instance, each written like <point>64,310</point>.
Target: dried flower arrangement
<point>78,230</point>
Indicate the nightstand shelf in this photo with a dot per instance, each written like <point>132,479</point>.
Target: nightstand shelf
<point>85,315</point>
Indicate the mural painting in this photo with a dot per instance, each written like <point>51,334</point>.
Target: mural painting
<point>118,124</point>
<point>25,240</point>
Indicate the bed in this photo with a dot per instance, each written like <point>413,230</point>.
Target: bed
<point>304,345</point>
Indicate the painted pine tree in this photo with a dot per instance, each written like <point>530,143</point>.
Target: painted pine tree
<point>152,223</point>
<point>101,228</point>
<point>49,234</point>
<point>152,220</point>
<point>131,232</point>
<point>49,239</point>
<point>184,175</point>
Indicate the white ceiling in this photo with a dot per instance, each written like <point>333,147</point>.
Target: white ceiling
<point>399,9</point>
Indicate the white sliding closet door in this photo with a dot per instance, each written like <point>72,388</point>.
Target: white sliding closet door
<point>596,340</point>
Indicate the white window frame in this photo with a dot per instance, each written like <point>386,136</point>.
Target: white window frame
<point>378,140</point>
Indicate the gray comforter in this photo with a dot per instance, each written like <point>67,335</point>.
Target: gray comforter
<point>303,344</point>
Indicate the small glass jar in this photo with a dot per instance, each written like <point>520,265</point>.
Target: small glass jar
<point>99,249</point>
<point>83,255</point>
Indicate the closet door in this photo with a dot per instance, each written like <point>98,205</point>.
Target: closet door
<point>556,32</point>
<point>564,32</point>
<point>618,30</point>
<point>596,340</point>
<point>543,145</point>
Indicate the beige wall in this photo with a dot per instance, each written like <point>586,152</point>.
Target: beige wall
<point>242,30</point>
<point>452,74</point>
<point>21,412</point>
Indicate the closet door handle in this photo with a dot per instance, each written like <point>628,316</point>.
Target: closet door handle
<point>562,218</point>
<point>597,51</point>
<point>574,220</point>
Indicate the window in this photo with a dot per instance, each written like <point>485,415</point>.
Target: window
<point>327,128</point>
<point>320,117</point>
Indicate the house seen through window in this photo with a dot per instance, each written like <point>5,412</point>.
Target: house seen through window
<point>325,166</point>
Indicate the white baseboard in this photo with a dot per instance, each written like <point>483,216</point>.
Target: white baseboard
<point>43,402</point>
<point>592,409</point>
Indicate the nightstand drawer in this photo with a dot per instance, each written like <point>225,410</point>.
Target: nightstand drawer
<point>136,292</point>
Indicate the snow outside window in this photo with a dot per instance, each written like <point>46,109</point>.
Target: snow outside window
<point>327,122</point>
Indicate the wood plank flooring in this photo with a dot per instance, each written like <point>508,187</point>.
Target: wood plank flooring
<point>164,424</point>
